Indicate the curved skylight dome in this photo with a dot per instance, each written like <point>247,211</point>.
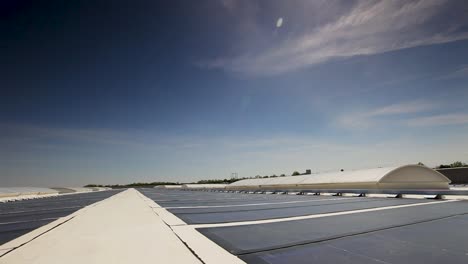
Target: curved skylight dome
<point>404,177</point>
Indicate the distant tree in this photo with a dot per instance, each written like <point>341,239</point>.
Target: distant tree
<point>282,175</point>
<point>295,173</point>
<point>220,181</point>
<point>458,164</point>
<point>443,166</point>
<point>421,164</point>
<point>93,185</point>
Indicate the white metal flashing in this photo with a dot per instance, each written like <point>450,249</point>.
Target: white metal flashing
<point>208,251</point>
<point>120,229</point>
<point>254,204</point>
<point>5,248</point>
<point>295,218</point>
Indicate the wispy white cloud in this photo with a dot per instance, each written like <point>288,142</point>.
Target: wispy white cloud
<point>35,133</point>
<point>411,114</point>
<point>461,72</point>
<point>23,138</point>
<point>403,108</point>
<point>366,119</point>
<point>369,27</point>
<point>229,4</point>
<point>191,159</point>
<point>440,120</point>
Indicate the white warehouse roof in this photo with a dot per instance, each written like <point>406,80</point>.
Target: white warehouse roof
<point>168,186</point>
<point>204,186</point>
<point>16,191</point>
<point>406,177</point>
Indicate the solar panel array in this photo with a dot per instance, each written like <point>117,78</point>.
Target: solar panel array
<point>20,217</point>
<point>269,228</point>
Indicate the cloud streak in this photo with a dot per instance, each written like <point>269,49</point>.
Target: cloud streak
<point>364,120</point>
<point>461,72</point>
<point>210,156</point>
<point>440,120</point>
<point>409,114</point>
<point>369,27</point>
<point>403,108</point>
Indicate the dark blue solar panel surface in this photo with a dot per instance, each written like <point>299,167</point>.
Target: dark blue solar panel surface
<point>429,233</point>
<point>439,241</point>
<point>272,213</point>
<point>276,235</point>
<point>186,198</point>
<point>20,217</point>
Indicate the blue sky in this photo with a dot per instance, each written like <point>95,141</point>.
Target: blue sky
<point>117,92</point>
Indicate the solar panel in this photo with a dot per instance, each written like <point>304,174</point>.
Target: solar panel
<point>20,217</point>
<point>346,229</point>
